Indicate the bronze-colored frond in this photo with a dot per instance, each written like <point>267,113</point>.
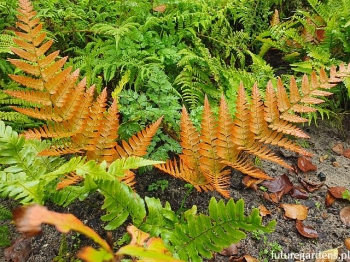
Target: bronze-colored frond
<point>233,141</point>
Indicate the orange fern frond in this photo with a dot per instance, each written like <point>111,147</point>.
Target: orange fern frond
<point>272,116</point>
<point>263,134</point>
<point>69,179</point>
<point>93,121</point>
<point>210,164</point>
<point>190,139</point>
<point>246,166</point>
<point>128,178</point>
<point>78,122</point>
<point>138,144</point>
<point>103,145</point>
<point>231,143</point>
<point>226,148</point>
<point>179,170</point>
<point>243,137</point>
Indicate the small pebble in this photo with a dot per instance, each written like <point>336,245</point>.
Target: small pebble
<point>321,176</point>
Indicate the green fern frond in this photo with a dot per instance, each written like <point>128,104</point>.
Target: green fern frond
<point>120,166</point>
<point>22,174</point>
<point>120,203</point>
<point>117,32</point>
<point>202,235</point>
<point>160,220</point>
<point>6,42</point>
<point>4,236</point>
<point>5,213</point>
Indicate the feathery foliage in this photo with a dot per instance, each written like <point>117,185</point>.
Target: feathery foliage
<point>5,214</point>
<point>77,122</point>
<point>207,154</point>
<point>22,174</point>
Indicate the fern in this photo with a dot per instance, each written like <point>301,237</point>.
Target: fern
<point>6,42</point>
<point>22,175</point>
<point>203,234</point>
<point>78,122</point>
<point>120,203</point>
<point>226,143</point>
<point>5,214</point>
<point>92,172</point>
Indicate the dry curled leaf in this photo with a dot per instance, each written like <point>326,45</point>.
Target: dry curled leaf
<point>345,216</point>
<point>305,165</point>
<point>299,193</point>
<point>309,185</point>
<point>273,197</point>
<point>19,251</point>
<point>330,199</point>
<point>281,183</point>
<point>28,221</point>
<point>264,211</point>
<point>250,182</point>
<point>338,148</point>
<point>295,211</point>
<point>305,231</point>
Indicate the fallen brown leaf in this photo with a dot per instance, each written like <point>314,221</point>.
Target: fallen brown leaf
<point>231,250</point>
<point>309,185</point>
<point>305,231</point>
<point>295,211</point>
<point>347,243</point>
<point>267,196</point>
<point>299,193</point>
<point>236,259</point>
<point>330,199</point>
<point>274,198</point>
<point>345,215</point>
<point>249,258</point>
<point>264,211</point>
<point>250,182</point>
<point>346,153</point>
<point>330,255</point>
<point>337,191</point>
<point>19,251</point>
<point>338,148</point>
<point>305,165</point>
<point>281,183</point>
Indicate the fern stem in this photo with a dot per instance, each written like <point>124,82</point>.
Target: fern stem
<point>189,190</point>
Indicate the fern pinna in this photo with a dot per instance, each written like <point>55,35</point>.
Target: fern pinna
<point>227,142</point>
<point>76,121</point>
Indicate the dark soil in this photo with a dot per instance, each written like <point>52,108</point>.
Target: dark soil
<point>286,239</point>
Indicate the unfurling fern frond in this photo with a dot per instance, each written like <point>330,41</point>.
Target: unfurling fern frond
<point>226,143</point>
